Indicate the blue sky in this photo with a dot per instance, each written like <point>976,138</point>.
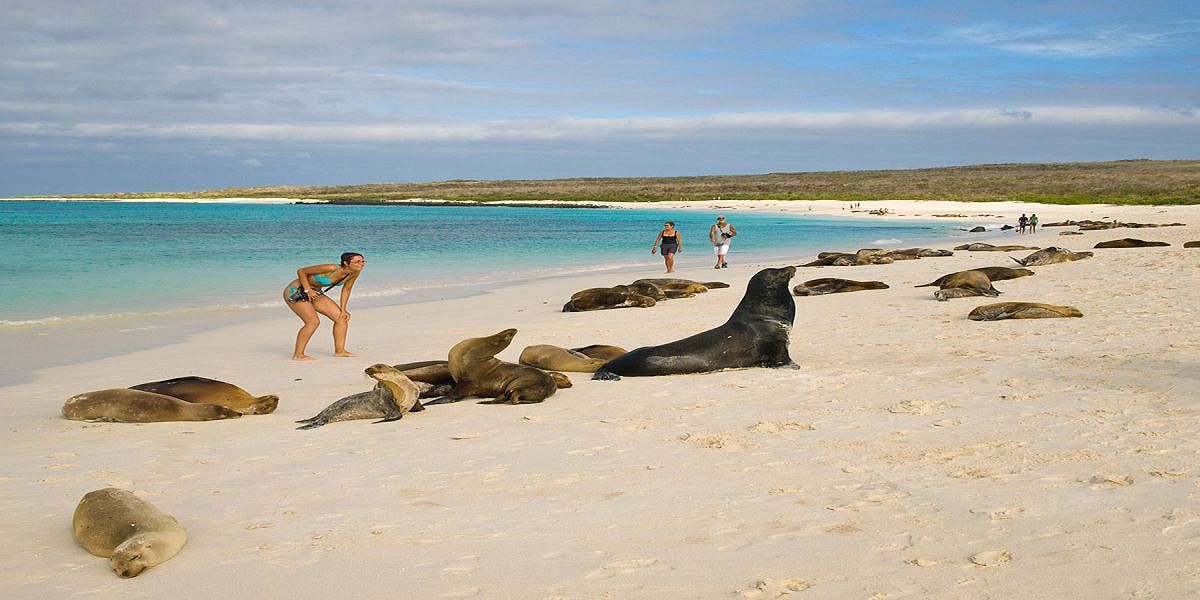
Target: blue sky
<point>132,95</point>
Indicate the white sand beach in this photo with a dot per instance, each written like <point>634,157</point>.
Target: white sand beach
<point>913,454</point>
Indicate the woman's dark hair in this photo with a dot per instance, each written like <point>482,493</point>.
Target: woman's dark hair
<point>671,223</point>
<point>348,256</point>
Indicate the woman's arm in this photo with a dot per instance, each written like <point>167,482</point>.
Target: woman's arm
<point>303,274</point>
<point>346,285</point>
<point>732,229</point>
<point>657,240</point>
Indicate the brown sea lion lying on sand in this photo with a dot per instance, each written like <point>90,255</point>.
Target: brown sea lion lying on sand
<point>641,293</point>
<point>1021,310</point>
<point>993,274</point>
<point>1091,225</point>
<point>1051,255</point>
<point>981,247</point>
<point>124,405</point>
<point>964,284</point>
<point>1195,244</point>
<point>202,390</point>
<point>131,533</point>
<point>1129,243</point>
<point>554,358</point>
<point>393,395</point>
<point>833,285</point>
<point>601,351</point>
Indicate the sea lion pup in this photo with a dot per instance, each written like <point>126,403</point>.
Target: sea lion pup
<point>393,395</point>
<point>1051,255</point>
<point>477,372</point>
<point>1021,310</point>
<point>981,247</point>
<point>601,351</point>
<point>1129,243</point>
<point>992,273</point>
<point>1195,244</point>
<point>130,532</point>
<point>620,296</point>
<point>553,358</point>
<point>756,335</point>
<point>123,405</point>
<point>833,285</point>
<point>210,391</point>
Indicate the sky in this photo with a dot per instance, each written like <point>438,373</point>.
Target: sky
<point>142,96</point>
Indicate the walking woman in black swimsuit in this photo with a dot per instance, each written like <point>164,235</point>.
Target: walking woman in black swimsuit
<point>671,244</point>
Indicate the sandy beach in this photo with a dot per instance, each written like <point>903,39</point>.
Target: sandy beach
<point>913,453</point>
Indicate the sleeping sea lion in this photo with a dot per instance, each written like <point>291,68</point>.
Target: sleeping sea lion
<point>1129,243</point>
<point>833,285</point>
<point>1051,255</point>
<point>393,395</point>
<point>210,391</point>
<point>130,532</point>
<point>124,405</point>
<point>601,351</point>
<point>756,335</point>
<point>992,273</point>
<point>554,358</point>
<point>477,372</point>
<point>1195,244</point>
<point>981,247</point>
<point>435,372</point>
<point>620,296</point>
<point>1021,310</point>
<point>972,282</point>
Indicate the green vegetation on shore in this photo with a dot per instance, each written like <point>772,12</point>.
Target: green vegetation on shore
<point>1115,182</point>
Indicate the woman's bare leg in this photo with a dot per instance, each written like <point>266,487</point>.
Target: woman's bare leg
<point>308,314</point>
<point>341,327</point>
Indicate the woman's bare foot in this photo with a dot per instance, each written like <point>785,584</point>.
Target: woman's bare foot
<point>344,353</point>
<point>302,357</point>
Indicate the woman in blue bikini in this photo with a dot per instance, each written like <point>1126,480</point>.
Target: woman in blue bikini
<point>313,300</point>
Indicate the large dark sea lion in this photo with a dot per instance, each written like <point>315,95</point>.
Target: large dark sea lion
<point>130,532</point>
<point>477,372</point>
<point>1129,243</point>
<point>1051,255</point>
<point>393,395</point>
<point>554,358</point>
<point>833,285</point>
<point>124,405</point>
<point>1021,310</point>
<point>756,335</point>
<point>210,391</point>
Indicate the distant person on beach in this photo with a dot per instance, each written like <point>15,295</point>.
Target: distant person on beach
<point>1033,221</point>
<point>671,243</point>
<point>720,234</point>
<point>306,298</point>
<point>1022,223</point>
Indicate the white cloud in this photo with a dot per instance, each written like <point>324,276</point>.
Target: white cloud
<point>1056,42</point>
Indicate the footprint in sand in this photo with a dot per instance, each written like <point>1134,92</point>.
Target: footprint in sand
<point>621,567</point>
<point>775,588</point>
<point>991,558</point>
<point>918,407</point>
<point>775,427</point>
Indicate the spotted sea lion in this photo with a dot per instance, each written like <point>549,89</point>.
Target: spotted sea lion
<point>1129,243</point>
<point>124,405</point>
<point>477,372</point>
<point>619,296</point>
<point>393,395</point>
<point>554,358</point>
<point>210,391</point>
<point>1021,310</point>
<point>1051,255</point>
<point>604,351</point>
<point>130,532</point>
<point>833,285</point>
<point>756,335</point>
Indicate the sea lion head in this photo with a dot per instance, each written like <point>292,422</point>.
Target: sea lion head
<point>474,350</point>
<point>768,295</point>
<point>133,556</point>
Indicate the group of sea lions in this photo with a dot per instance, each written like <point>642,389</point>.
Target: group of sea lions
<point>872,256</point>
<point>642,293</point>
<point>181,399</point>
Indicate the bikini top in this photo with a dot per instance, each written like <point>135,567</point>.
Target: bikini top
<point>324,279</point>
<point>670,239</point>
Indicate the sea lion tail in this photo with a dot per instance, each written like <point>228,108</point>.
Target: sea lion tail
<point>604,375</point>
<point>925,285</point>
<point>1019,261</point>
<point>312,425</point>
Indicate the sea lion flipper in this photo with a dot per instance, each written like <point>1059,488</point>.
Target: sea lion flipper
<point>603,375</point>
<point>388,419</point>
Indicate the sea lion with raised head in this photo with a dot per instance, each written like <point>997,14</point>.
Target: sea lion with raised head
<point>477,372</point>
<point>1021,310</point>
<point>833,285</point>
<point>210,391</point>
<point>1051,255</point>
<point>756,335</point>
<point>130,532</point>
<point>554,358</point>
<point>124,405</point>
<point>393,395</point>
<point>1129,243</point>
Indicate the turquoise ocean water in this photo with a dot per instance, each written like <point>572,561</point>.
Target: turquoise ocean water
<point>128,267</point>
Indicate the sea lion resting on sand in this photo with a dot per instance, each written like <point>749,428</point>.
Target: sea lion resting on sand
<point>130,532</point>
<point>1021,310</point>
<point>1195,244</point>
<point>981,247</point>
<point>393,395</point>
<point>833,285</point>
<point>210,391</point>
<point>477,372</point>
<point>554,358</point>
<point>601,351</point>
<point>1051,255</point>
<point>963,284</point>
<point>619,296</point>
<point>124,405</point>
<point>756,335</point>
<point>1129,243</point>
<point>992,273</point>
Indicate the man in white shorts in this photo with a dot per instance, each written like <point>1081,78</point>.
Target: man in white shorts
<point>719,235</point>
